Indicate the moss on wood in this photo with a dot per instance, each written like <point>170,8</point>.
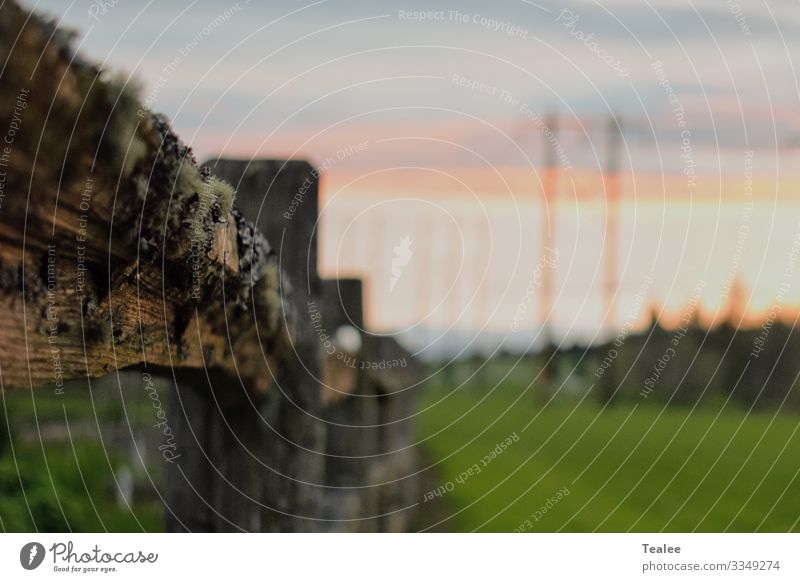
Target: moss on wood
<point>115,248</point>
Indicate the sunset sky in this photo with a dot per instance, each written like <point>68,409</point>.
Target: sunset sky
<point>433,129</point>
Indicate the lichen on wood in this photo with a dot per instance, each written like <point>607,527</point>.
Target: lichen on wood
<point>115,247</point>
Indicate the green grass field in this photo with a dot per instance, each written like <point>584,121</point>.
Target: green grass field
<point>637,468</point>
<point>66,483</point>
<point>627,468</point>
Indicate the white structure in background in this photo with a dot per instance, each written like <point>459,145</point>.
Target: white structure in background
<point>347,339</point>
<point>125,483</point>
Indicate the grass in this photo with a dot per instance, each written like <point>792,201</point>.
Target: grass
<point>66,481</point>
<point>627,468</point>
<point>72,491</point>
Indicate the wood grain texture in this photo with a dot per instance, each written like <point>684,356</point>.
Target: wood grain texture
<point>115,247</point>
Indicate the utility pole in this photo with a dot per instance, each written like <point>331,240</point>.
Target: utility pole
<point>548,352</point>
<point>613,183</point>
<point>612,179</point>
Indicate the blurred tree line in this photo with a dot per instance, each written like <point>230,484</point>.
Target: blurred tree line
<point>753,367</point>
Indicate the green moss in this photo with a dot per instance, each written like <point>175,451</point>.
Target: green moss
<point>190,218</point>
<point>122,142</point>
<point>188,180</point>
<point>215,197</point>
<point>224,195</point>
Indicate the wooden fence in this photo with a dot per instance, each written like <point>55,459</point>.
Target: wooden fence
<point>118,250</point>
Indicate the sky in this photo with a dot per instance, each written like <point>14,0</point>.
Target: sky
<point>431,120</point>
<point>305,79</point>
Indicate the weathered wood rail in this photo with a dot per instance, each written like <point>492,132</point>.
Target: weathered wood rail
<point>117,249</point>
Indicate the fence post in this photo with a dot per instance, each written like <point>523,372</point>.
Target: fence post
<point>281,198</point>
<point>396,469</point>
<point>187,479</point>
<point>351,410</point>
